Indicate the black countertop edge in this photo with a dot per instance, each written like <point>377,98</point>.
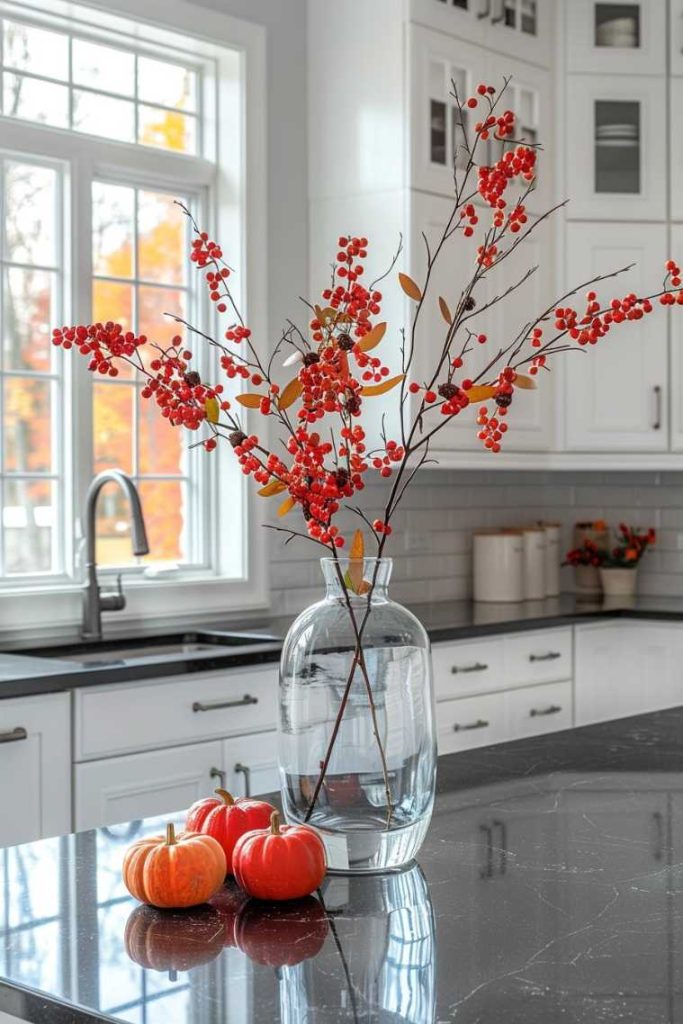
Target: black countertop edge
<point>446,621</point>
<point>24,1004</point>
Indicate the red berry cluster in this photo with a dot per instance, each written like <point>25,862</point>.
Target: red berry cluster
<point>355,303</point>
<point>492,430</point>
<point>493,181</point>
<point>102,342</point>
<point>394,452</point>
<point>516,220</point>
<point>468,215</point>
<point>594,323</point>
<point>486,255</point>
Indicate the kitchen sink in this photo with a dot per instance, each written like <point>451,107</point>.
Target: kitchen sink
<point>160,648</point>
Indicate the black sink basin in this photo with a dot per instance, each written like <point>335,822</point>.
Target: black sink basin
<point>154,648</point>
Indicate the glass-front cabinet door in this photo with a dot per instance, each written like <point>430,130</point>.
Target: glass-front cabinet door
<point>467,19</point>
<point>523,29</point>
<point>615,161</point>
<point>622,38</point>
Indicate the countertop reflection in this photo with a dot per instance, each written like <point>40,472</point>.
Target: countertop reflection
<point>550,889</point>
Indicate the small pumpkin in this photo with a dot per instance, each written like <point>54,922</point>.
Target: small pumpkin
<point>283,862</point>
<point>226,819</point>
<point>176,871</point>
<point>229,902</point>
<point>281,934</point>
<point>174,940</point>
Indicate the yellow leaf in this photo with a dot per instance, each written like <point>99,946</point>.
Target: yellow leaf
<point>212,409</point>
<point>445,311</point>
<point>480,392</point>
<point>409,287</point>
<point>522,381</point>
<point>354,576</point>
<point>289,394</point>
<point>372,338</point>
<point>381,389</point>
<point>274,487</point>
<point>286,506</point>
<point>249,400</point>
<point>357,550</point>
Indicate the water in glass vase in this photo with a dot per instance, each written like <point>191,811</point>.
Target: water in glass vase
<point>357,749</point>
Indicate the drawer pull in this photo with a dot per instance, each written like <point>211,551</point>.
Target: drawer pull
<point>245,770</point>
<point>539,712</point>
<point>216,773</point>
<point>480,723</point>
<point>242,702</point>
<point>478,666</point>
<point>550,656</point>
<point>14,735</point>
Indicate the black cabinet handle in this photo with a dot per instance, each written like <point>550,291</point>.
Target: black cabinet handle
<point>480,723</point>
<point>658,820</point>
<point>245,770</point>
<point>242,702</point>
<point>657,425</point>
<point>478,666</point>
<point>550,656</point>
<point>487,870</point>
<point>14,735</point>
<point>539,712</point>
<point>217,773</point>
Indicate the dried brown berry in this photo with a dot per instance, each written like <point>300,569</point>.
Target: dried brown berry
<point>192,379</point>
<point>503,399</point>
<point>236,438</point>
<point>345,342</point>
<point>448,390</point>
<point>310,358</point>
<point>469,303</point>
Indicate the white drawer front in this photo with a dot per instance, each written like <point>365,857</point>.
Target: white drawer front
<point>251,764</point>
<point>467,667</point>
<point>538,709</point>
<point>538,657</point>
<point>122,719</point>
<point>470,722</point>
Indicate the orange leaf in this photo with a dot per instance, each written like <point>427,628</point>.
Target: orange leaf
<point>480,392</point>
<point>381,389</point>
<point>286,506</point>
<point>372,338</point>
<point>249,400</point>
<point>409,287</point>
<point>274,487</point>
<point>289,394</point>
<point>354,575</point>
<point>522,381</point>
<point>357,550</point>
<point>212,409</point>
<point>445,311</point>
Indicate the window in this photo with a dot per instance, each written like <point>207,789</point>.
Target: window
<point>104,125</point>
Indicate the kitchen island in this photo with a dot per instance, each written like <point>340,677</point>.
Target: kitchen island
<point>549,889</point>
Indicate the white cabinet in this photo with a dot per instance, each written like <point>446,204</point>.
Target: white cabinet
<point>676,36</point>
<point>35,768</point>
<point>676,324</point>
<point>617,395</point>
<point>516,28</point>
<point>145,785</point>
<point>619,38</point>
<point>676,171</point>
<point>250,764</point>
<point>616,143</point>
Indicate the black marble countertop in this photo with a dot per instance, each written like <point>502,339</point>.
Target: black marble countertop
<point>42,669</point>
<point>549,891</point>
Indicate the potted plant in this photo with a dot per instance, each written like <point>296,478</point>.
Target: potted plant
<point>619,566</point>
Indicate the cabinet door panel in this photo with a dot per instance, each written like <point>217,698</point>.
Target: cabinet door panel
<point>676,325</point>
<point>144,785</point>
<point>616,394</point>
<point>620,38</point>
<point>251,764</point>
<point>35,768</point>
<point>676,36</point>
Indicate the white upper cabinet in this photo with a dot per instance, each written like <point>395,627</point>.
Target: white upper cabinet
<point>616,147</point>
<point>622,38</point>
<point>516,28</point>
<point>676,153</point>
<point>466,19</point>
<point>676,36</point>
<point>617,394</point>
<point>676,322</point>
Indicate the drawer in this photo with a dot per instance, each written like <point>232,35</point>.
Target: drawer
<point>468,667</point>
<point>538,657</point>
<point>534,710</point>
<point>250,764</point>
<point>208,705</point>
<point>470,722</point>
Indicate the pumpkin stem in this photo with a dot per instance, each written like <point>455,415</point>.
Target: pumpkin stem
<point>275,823</point>
<point>225,797</point>
<point>170,834</point>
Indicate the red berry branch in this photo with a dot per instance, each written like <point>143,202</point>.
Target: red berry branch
<point>320,461</point>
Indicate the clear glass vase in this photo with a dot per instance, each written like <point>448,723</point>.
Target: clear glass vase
<point>356,744</point>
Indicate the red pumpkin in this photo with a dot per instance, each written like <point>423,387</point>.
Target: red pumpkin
<point>174,871</point>
<point>227,820</point>
<point>281,934</point>
<point>228,902</point>
<point>283,862</point>
<point>173,940</point>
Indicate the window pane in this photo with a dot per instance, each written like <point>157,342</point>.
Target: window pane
<point>167,129</point>
<point>166,515</point>
<point>161,238</point>
<point>103,67</point>
<point>153,303</point>
<point>113,213</point>
<point>171,85</point>
<point>114,301</point>
<point>29,518</point>
<point>30,200</point>
<point>35,100</point>
<point>113,425</point>
<point>27,48</point>
<point>28,441</point>
<point>163,448</point>
<point>113,527</point>
<point>101,115</point>
<point>29,316</point>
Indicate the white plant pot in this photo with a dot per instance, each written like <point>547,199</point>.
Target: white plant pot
<point>619,582</point>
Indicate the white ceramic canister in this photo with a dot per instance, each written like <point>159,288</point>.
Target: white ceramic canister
<point>552,558</point>
<point>533,575</point>
<point>498,565</point>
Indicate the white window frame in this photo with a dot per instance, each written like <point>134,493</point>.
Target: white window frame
<point>238,578</point>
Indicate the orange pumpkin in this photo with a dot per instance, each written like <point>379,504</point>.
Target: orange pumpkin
<point>174,940</point>
<point>174,871</point>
